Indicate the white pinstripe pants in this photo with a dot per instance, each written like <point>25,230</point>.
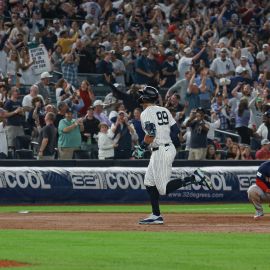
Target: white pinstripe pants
<point>160,168</point>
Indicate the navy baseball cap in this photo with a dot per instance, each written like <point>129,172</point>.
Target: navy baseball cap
<point>69,110</point>
<point>200,109</point>
<point>170,53</point>
<point>267,113</point>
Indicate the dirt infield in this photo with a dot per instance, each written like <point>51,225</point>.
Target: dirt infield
<point>128,222</point>
<point>6,263</point>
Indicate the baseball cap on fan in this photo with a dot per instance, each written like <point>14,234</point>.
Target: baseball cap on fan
<point>201,110</point>
<point>223,50</point>
<point>144,49</point>
<point>88,17</point>
<point>259,99</point>
<point>187,50</point>
<point>119,16</point>
<point>219,94</point>
<point>267,113</point>
<point>103,124</point>
<point>98,102</point>
<point>170,53</point>
<point>106,44</point>
<point>56,21</point>
<point>243,57</point>
<point>126,49</point>
<point>234,16</point>
<point>240,70</point>
<point>122,112</point>
<point>45,75</point>
<point>69,110</point>
<point>265,141</point>
<point>51,29</point>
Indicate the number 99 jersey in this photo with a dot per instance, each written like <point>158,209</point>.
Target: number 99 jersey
<point>160,119</point>
<point>157,122</point>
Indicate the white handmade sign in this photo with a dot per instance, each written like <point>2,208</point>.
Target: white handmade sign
<point>40,57</point>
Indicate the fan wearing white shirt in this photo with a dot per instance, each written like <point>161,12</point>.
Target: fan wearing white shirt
<point>3,136</point>
<point>186,61</point>
<point>245,65</point>
<point>222,67</point>
<point>106,143</point>
<point>263,58</point>
<point>27,100</point>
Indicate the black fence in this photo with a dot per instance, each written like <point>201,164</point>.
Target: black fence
<point>124,163</point>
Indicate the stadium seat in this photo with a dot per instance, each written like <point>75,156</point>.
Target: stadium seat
<point>183,146</point>
<point>3,155</point>
<point>24,154</point>
<point>81,154</point>
<point>253,154</point>
<point>101,90</point>
<point>22,142</point>
<point>96,79</point>
<point>183,154</point>
<point>92,78</point>
<point>11,152</point>
<point>223,154</point>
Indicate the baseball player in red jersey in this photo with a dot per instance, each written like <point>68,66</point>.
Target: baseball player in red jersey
<point>161,129</point>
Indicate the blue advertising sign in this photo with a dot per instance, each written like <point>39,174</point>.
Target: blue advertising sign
<point>115,185</point>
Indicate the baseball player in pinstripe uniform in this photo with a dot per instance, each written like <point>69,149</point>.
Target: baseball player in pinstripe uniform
<point>161,129</point>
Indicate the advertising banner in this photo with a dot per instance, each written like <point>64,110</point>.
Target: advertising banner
<point>116,185</point>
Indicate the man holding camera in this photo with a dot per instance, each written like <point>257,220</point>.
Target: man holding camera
<point>15,117</point>
<point>199,130</point>
<point>44,86</point>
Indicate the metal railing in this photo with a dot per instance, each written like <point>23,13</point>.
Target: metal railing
<point>229,134</point>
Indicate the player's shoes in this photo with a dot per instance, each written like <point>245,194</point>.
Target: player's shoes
<point>258,215</point>
<point>152,219</point>
<point>202,179</point>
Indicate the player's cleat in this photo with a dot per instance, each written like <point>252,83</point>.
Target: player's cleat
<point>202,179</point>
<point>258,215</point>
<point>152,219</point>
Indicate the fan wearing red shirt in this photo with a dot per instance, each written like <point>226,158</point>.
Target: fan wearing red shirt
<point>87,96</point>
<point>260,191</point>
<point>264,152</point>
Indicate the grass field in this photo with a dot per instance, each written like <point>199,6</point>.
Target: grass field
<point>59,250</point>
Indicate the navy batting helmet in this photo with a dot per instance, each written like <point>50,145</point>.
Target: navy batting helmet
<point>148,94</point>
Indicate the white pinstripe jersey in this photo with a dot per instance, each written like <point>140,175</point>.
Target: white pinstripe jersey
<point>162,119</point>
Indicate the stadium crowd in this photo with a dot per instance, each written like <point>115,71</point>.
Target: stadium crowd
<point>210,61</point>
